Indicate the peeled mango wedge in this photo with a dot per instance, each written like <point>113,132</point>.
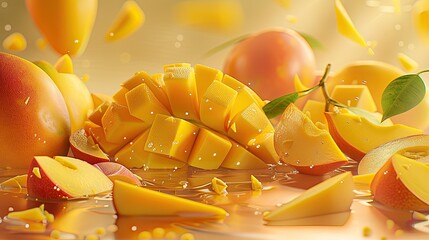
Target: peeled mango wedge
<point>186,115</point>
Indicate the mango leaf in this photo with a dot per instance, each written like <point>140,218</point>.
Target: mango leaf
<point>312,41</point>
<point>278,105</point>
<point>402,94</point>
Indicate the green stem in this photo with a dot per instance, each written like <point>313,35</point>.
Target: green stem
<point>423,71</point>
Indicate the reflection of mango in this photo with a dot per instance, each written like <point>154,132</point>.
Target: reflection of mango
<point>183,116</point>
<point>66,24</point>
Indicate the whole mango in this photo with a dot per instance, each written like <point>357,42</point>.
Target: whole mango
<point>33,114</point>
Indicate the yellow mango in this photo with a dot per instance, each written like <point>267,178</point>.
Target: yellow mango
<point>66,24</point>
<point>248,124</point>
<point>181,90</point>
<point>170,136</point>
<point>143,104</point>
<point>119,126</point>
<point>15,42</point>
<point>185,65</point>
<point>36,214</point>
<point>239,86</point>
<point>64,64</point>
<point>216,106</point>
<point>133,155</point>
<point>239,158</point>
<point>129,19</point>
<point>204,76</point>
<point>219,186</point>
<point>131,200</point>
<point>209,150</point>
<point>256,184</point>
<point>354,96</point>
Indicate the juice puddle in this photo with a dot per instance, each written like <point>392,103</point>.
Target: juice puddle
<point>76,219</point>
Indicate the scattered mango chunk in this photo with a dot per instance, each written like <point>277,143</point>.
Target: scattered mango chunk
<point>130,18</point>
<point>131,200</point>
<point>318,200</point>
<point>19,182</point>
<point>407,63</point>
<point>219,186</point>
<point>354,96</point>
<point>64,64</point>
<point>345,24</point>
<point>256,184</point>
<point>15,42</point>
<point>37,214</point>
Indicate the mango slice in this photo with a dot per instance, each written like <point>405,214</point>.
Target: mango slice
<point>19,182</point>
<point>37,214</point>
<point>131,200</point>
<point>345,25</point>
<point>407,63</point>
<point>318,200</point>
<point>130,18</point>
<point>15,42</point>
<point>354,96</point>
<point>183,117</point>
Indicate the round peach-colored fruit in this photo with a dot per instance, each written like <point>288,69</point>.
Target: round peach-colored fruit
<point>33,115</point>
<point>268,62</point>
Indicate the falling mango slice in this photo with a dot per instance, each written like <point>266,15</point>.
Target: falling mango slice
<point>66,25</point>
<point>345,25</point>
<point>421,19</point>
<point>220,15</point>
<point>64,64</point>
<point>407,63</point>
<point>15,42</point>
<point>130,18</point>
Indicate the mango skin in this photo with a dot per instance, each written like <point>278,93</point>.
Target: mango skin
<point>33,115</point>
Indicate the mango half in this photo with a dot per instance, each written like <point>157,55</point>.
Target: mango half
<point>186,115</point>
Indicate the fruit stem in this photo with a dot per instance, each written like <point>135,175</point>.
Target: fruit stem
<point>328,99</point>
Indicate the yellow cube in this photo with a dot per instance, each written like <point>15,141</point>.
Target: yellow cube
<point>216,106</point>
<point>204,76</point>
<point>209,150</point>
<point>172,137</point>
<point>119,96</point>
<point>181,90</point>
<point>133,155</point>
<point>98,113</point>
<point>263,147</point>
<point>119,126</point>
<point>354,96</point>
<point>316,111</point>
<point>239,86</point>
<point>156,86</point>
<point>239,158</point>
<point>143,104</point>
<point>99,137</point>
<point>248,124</point>
<point>166,66</point>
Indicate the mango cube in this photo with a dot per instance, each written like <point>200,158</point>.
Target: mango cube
<point>263,147</point>
<point>119,126</point>
<point>133,155</point>
<point>209,151</point>
<point>155,84</point>
<point>239,158</point>
<point>239,86</point>
<point>97,134</point>
<point>143,104</point>
<point>181,90</point>
<point>248,124</point>
<point>216,105</point>
<point>204,76</point>
<point>119,96</point>
<point>315,110</point>
<point>172,137</point>
<point>354,96</point>
<point>99,112</point>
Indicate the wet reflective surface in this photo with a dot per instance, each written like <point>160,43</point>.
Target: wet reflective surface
<point>80,218</point>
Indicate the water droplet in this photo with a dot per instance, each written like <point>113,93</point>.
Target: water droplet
<point>186,113</point>
<point>357,98</point>
<point>150,145</point>
<point>4,4</point>
<point>298,161</point>
<point>364,82</point>
<point>125,138</point>
<point>179,37</point>
<point>214,154</point>
<point>210,108</point>
<point>177,44</point>
<point>258,146</point>
<point>397,27</point>
<point>311,166</point>
<point>207,100</point>
<point>385,172</point>
<point>151,113</point>
<point>76,41</point>
<point>7,27</point>
<point>133,228</point>
<point>10,209</point>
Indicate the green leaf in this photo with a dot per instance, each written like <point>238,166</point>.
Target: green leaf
<point>278,105</point>
<point>226,44</point>
<point>402,94</point>
<point>313,42</point>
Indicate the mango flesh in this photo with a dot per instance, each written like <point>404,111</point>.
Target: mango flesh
<point>165,121</point>
<point>132,200</point>
<point>34,119</point>
<point>318,200</point>
<point>66,25</point>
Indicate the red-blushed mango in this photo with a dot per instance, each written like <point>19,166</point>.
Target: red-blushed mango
<point>34,119</point>
<point>268,61</point>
